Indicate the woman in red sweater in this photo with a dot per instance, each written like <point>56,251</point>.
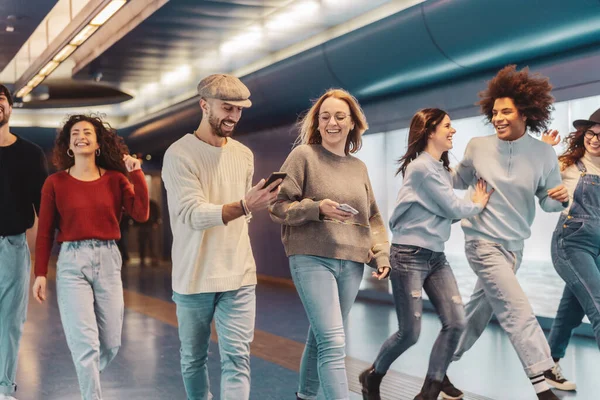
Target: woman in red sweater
<point>84,201</point>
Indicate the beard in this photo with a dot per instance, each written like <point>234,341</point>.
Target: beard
<point>4,119</point>
<point>216,126</point>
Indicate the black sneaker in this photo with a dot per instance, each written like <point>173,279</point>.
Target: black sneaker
<point>449,391</point>
<point>555,378</point>
<point>547,395</point>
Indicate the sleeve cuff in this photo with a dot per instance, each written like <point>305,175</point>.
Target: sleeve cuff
<point>380,260</point>
<point>313,211</point>
<point>210,215</point>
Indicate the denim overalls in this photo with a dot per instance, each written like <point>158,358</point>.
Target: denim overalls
<point>575,254</point>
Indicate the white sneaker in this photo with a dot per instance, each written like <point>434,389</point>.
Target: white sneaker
<point>555,378</point>
<point>6,397</point>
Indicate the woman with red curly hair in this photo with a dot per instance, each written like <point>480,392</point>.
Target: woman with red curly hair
<point>84,201</point>
<point>576,242</point>
<point>519,168</point>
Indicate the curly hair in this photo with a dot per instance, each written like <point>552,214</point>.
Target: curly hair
<point>530,93</point>
<point>112,146</point>
<point>423,123</point>
<point>575,147</point>
<point>308,125</point>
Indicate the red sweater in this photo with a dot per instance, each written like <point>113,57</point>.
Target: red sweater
<point>87,210</point>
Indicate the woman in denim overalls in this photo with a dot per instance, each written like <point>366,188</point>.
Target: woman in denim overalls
<point>576,243</point>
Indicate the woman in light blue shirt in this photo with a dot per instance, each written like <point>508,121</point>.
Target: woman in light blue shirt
<point>425,209</point>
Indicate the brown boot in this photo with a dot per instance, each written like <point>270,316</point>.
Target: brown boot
<point>430,390</point>
<point>449,391</point>
<point>370,381</point>
<point>547,395</point>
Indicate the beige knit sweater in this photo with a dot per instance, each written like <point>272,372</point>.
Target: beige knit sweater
<point>208,256</point>
<point>315,174</point>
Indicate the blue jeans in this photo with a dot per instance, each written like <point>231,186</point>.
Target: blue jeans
<point>414,269</point>
<point>498,292</point>
<point>576,259</point>
<point>327,288</point>
<point>234,313</point>
<point>90,301</point>
<point>15,267</point>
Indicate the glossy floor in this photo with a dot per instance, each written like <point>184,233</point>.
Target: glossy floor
<point>147,366</point>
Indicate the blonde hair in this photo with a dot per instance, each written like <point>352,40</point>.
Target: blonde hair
<point>308,125</point>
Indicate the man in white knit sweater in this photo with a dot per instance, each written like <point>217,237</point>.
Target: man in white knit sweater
<point>208,177</point>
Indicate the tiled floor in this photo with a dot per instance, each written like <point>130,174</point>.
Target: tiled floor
<point>147,366</point>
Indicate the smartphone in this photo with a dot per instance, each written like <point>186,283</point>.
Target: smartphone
<point>274,176</point>
<point>348,208</point>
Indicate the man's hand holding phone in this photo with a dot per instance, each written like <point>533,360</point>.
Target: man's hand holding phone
<point>275,176</point>
<point>262,195</point>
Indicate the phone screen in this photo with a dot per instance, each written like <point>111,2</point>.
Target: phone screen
<point>274,176</point>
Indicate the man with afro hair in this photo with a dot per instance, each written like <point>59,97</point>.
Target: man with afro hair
<point>519,168</point>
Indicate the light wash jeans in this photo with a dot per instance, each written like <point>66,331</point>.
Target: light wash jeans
<point>327,288</point>
<point>414,269</point>
<point>90,300</point>
<point>15,267</point>
<point>498,292</point>
<point>234,313</point>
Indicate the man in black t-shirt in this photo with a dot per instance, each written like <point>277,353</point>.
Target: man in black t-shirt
<point>23,170</point>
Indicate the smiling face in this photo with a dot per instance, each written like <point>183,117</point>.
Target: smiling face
<point>508,121</point>
<point>222,116</point>
<point>83,139</point>
<point>5,110</point>
<point>441,138</point>
<point>591,141</point>
<point>335,123</point>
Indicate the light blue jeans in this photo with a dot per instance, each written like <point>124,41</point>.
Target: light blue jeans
<point>498,292</point>
<point>15,267</point>
<point>327,288</point>
<point>90,301</point>
<point>234,313</point>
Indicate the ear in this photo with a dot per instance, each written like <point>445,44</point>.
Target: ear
<point>204,105</point>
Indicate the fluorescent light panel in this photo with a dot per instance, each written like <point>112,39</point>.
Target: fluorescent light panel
<point>108,12</point>
<point>24,91</point>
<point>47,70</point>
<point>36,80</point>
<point>64,53</point>
<point>83,35</point>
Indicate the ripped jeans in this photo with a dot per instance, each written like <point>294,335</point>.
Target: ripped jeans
<point>414,269</point>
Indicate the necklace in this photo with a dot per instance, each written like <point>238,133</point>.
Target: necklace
<point>204,141</point>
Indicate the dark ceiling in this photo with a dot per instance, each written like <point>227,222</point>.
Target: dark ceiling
<point>178,33</point>
<point>426,46</point>
<point>24,16</point>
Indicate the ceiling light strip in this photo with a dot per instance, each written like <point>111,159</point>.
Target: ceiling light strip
<point>84,34</point>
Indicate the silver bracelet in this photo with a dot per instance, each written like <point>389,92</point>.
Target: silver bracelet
<point>246,210</point>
